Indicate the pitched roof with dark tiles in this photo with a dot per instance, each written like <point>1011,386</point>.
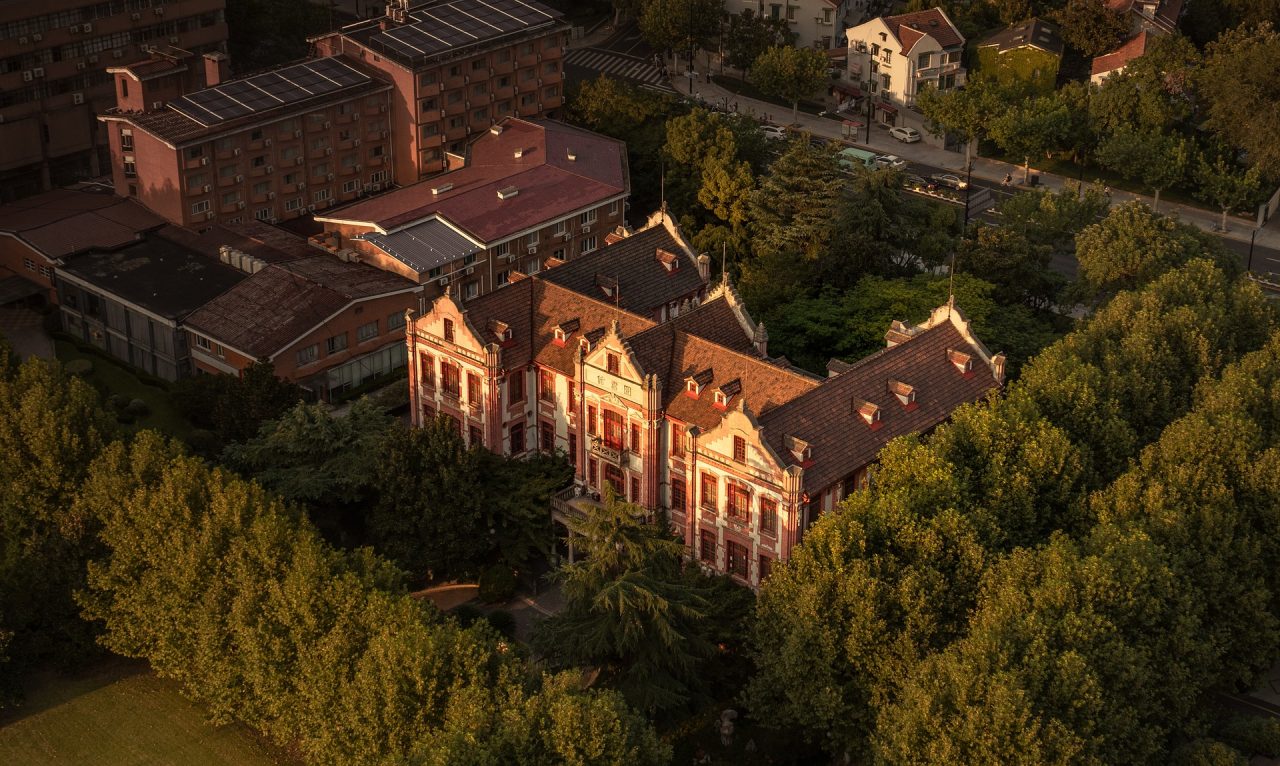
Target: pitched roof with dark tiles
<point>644,283</point>
<point>549,184</point>
<point>66,221</point>
<point>933,22</point>
<point>841,440</point>
<point>1036,33</point>
<point>716,321</point>
<point>269,310</point>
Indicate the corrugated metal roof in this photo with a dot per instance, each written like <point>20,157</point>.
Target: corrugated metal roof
<point>424,246</point>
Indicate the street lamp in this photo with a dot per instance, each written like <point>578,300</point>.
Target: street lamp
<point>1251,238</point>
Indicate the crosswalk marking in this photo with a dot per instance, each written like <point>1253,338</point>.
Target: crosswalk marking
<point>619,66</point>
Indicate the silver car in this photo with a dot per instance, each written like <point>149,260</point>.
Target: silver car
<point>891,161</point>
<point>905,135</point>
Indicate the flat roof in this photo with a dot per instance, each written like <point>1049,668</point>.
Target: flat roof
<point>156,274</point>
<point>440,28</point>
<point>424,246</point>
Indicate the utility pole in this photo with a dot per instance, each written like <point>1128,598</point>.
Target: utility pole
<point>867,96</point>
<point>1251,238</point>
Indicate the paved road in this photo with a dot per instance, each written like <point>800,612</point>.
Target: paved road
<point>619,53</point>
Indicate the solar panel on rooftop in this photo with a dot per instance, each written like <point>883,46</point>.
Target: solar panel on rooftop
<point>239,98</point>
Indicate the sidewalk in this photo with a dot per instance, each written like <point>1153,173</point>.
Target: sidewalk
<point>929,151</point>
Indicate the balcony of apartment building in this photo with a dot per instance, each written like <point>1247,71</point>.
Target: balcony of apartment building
<point>454,82</point>
<point>228,180</point>
<point>501,92</point>
<point>194,161</point>
<point>456,107</point>
<point>226,151</point>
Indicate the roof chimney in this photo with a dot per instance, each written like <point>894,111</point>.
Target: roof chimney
<point>519,153</point>
<point>571,154</point>
<point>441,189</point>
<point>507,192</point>
<point>217,68</point>
<point>761,340</point>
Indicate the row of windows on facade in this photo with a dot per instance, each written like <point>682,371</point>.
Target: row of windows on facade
<point>336,343</point>
<point>68,18</point>
<point>484,62</point>
<point>198,183</point>
<point>80,50</point>
<point>531,240</point>
<point>290,156</point>
<point>88,50</point>
<point>292,204</point>
<point>485,87</point>
<point>737,556</point>
<point>41,269</point>
<point>923,60</point>
<point>775,12</point>
<point>502,109</point>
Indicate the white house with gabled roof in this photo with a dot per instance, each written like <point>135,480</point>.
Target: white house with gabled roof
<point>895,56</point>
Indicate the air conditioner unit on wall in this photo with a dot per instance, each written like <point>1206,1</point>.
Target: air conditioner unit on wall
<point>77,98</point>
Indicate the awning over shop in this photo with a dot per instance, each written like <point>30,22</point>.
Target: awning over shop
<point>847,89</point>
<point>886,108</point>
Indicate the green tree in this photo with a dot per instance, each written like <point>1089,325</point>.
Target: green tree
<point>1157,161</point>
<point>790,73</point>
<point>626,8</point>
<point>308,455</point>
<point>1155,93</point>
<point>1091,26</point>
<point>631,610</point>
<point>1036,127</point>
<point>748,35</point>
<point>966,112</point>
<point>878,585</point>
<point>1133,246</point>
<point>1018,267</point>
<point>1224,186</point>
<point>51,427</point>
<point>1238,83</point>
<point>234,408</point>
<point>429,517</point>
<point>793,217</point>
<point>681,25</point>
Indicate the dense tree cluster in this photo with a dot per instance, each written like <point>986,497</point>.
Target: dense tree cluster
<point>1046,579</point>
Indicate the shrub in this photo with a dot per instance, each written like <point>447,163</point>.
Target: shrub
<point>466,614</point>
<point>503,621</point>
<point>497,584</point>
<point>137,408</point>
<point>80,367</point>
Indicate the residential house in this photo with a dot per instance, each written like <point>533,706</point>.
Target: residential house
<point>531,190</point>
<point>1114,62</point>
<point>37,232</point>
<point>457,66</point>
<point>893,57</point>
<point>53,80</point>
<point>272,146</point>
<point>689,416</point>
<point>326,324</point>
<point>1158,16</point>
<point>130,301</point>
<point>815,23</point>
<point>1030,53</point>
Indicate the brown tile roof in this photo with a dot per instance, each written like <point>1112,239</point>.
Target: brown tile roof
<point>841,440</point>
<point>675,356</point>
<point>260,240</point>
<point>933,22</point>
<point>717,321</point>
<point>550,185</point>
<point>644,284</point>
<point>66,221</point>
<point>1121,56</point>
<point>271,309</point>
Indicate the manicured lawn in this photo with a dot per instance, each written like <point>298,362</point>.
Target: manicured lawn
<point>114,378</point>
<point>121,714</point>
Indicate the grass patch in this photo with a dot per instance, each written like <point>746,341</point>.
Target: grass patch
<point>111,377</point>
<point>117,714</point>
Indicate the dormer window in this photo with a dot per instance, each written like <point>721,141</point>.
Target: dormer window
<point>721,400</point>
<point>691,388</point>
<point>669,260</point>
<point>584,344</point>
<point>448,330</point>
<point>799,449</point>
<point>727,392</point>
<point>611,363</point>
<point>560,336</point>
<point>869,411</point>
<point>694,384</point>
<point>906,394</point>
<point>962,361</point>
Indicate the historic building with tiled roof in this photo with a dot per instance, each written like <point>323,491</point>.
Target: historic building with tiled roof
<point>895,56</point>
<point>690,415</point>
<point>531,191</point>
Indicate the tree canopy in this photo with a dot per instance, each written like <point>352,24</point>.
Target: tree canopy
<point>790,73</point>
<point>1238,82</point>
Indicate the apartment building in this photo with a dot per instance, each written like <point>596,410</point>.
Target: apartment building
<point>815,23</point>
<point>53,79</point>
<point>690,416</point>
<point>895,56</point>
<point>273,146</point>
<point>458,66</point>
<point>531,190</point>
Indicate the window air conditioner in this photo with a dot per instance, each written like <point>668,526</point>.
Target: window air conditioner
<point>239,179</point>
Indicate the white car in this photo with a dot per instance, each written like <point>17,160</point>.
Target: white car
<point>905,135</point>
<point>774,132</point>
<point>891,161</point>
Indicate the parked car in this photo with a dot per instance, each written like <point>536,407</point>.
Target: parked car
<point>948,180</point>
<point>891,161</point>
<point>774,132</point>
<point>918,183</point>
<point>904,134</point>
